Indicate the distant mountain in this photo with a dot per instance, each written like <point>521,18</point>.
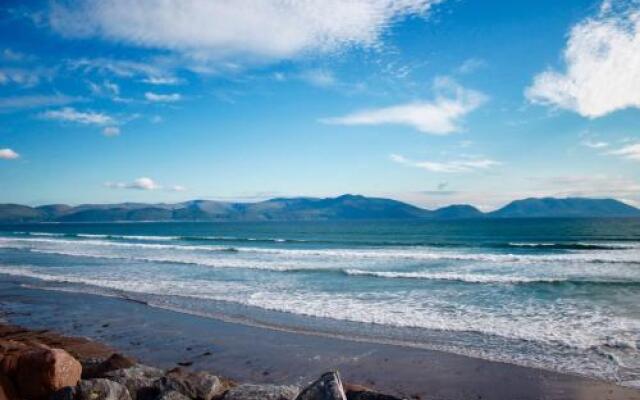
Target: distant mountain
<point>457,211</point>
<point>571,207</point>
<point>346,207</point>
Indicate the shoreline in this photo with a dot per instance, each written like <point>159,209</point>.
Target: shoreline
<point>243,353</point>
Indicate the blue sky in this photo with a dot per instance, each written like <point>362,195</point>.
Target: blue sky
<point>431,102</point>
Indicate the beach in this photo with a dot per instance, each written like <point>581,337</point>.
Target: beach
<point>245,353</point>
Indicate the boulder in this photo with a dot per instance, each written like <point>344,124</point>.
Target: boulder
<point>93,369</point>
<point>172,395</point>
<point>138,380</point>
<point>369,395</point>
<point>7,390</point>
<point>327,387</point>
<point>42,372</point>
<point>102,389</point>
<point>195,385</point>
<point>261,392</point>
<point>67,393</point>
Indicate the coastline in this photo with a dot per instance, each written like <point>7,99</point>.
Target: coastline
<point>244,353</point>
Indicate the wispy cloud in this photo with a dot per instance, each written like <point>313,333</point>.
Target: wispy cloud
<point>440,116</point>
<point>600,76</point>
<point>111,131</point>
<point>630,152</point>
<point>471,65</point>
<point>69,114</point>
<point>592,144</point>
<point>35,101</point>
<point>454,166</point>
<point>144,183</point>
<point>163,98</point>
<point>319,77</point>
<point>254,31</point>
<point>8,154</point>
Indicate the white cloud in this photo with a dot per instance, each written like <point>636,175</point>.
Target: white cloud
<point>162,80</point>
<point>455,166</point>
<point>471,65</point>
<point>163,98</point>
<point>8,154</point>
<point>602,60</point>
<point>142,183</point>
<point>319,77</point>
<point>440,116</point>
<point>630,152</point>
<point>247,29</point>
<point>105,88</point>
<point>594,144</point>
<point>72,115</point>
<point>111,131</point>
<point>35,101</point>
<point>22,76</point>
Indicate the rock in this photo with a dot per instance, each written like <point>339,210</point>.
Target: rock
<point>327,387</point>
<point>369,395</point>
<point>7,390</point>
<point>138,380</point>
<point>97,370</point>
<point>261,392</point>
<point>195,385</point>
<point>67,393</point>
<point>44,371</point>
<point>172,395</point>
<point>102,389</point>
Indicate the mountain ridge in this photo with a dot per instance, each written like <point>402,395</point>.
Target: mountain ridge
<point>344,207</point>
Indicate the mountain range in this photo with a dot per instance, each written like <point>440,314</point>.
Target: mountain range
<point>345,207</point>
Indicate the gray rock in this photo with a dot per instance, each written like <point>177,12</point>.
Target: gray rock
<point>172,395</point>
<point>261,392</point>
<point>138,380</point>
<point>369,395</point>
<point>327,387</point>
<point>195,385</point>
<point>102,389</point>
<point>66,393</point>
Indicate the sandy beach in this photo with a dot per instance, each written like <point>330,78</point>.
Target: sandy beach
<point>252,354</point>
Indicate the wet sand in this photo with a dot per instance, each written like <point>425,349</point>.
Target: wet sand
<point>252,354</point>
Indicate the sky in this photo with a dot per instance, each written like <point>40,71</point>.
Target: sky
<point>433,102</point>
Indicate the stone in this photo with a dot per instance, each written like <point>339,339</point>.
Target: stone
<point>66,393</point>
<point>116,361</point>
<point>369,395</point>
<point>261,392</point>
<point>7,390</point>
<point>102,389</point>
<point>42,372</point>
<point>195,385</point>
<point>138,380</point>
<point>172,395</point>
<point>327,387</point>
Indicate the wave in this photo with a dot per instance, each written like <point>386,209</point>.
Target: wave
<point>574,246</point>
<point>488,278</point>
<point>334,255</point>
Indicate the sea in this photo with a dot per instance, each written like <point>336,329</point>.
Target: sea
<point>557,294</point>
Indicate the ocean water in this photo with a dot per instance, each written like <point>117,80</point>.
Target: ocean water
<point>557,294</point>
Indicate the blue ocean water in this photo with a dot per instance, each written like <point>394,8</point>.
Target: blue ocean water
<point>560,294</point>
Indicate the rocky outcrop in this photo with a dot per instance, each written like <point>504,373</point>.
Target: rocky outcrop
<point>101,367</point>
<point>261,392</point>
<point>195,385</point>
<point>31,369</point>
<point>327,387</point>
<point>138,380</point>
<point>102,389</point>
<point>42,372</point>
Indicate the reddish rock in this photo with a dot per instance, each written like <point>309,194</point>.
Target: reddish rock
<point>115,362</point>
<point>44,371</point>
